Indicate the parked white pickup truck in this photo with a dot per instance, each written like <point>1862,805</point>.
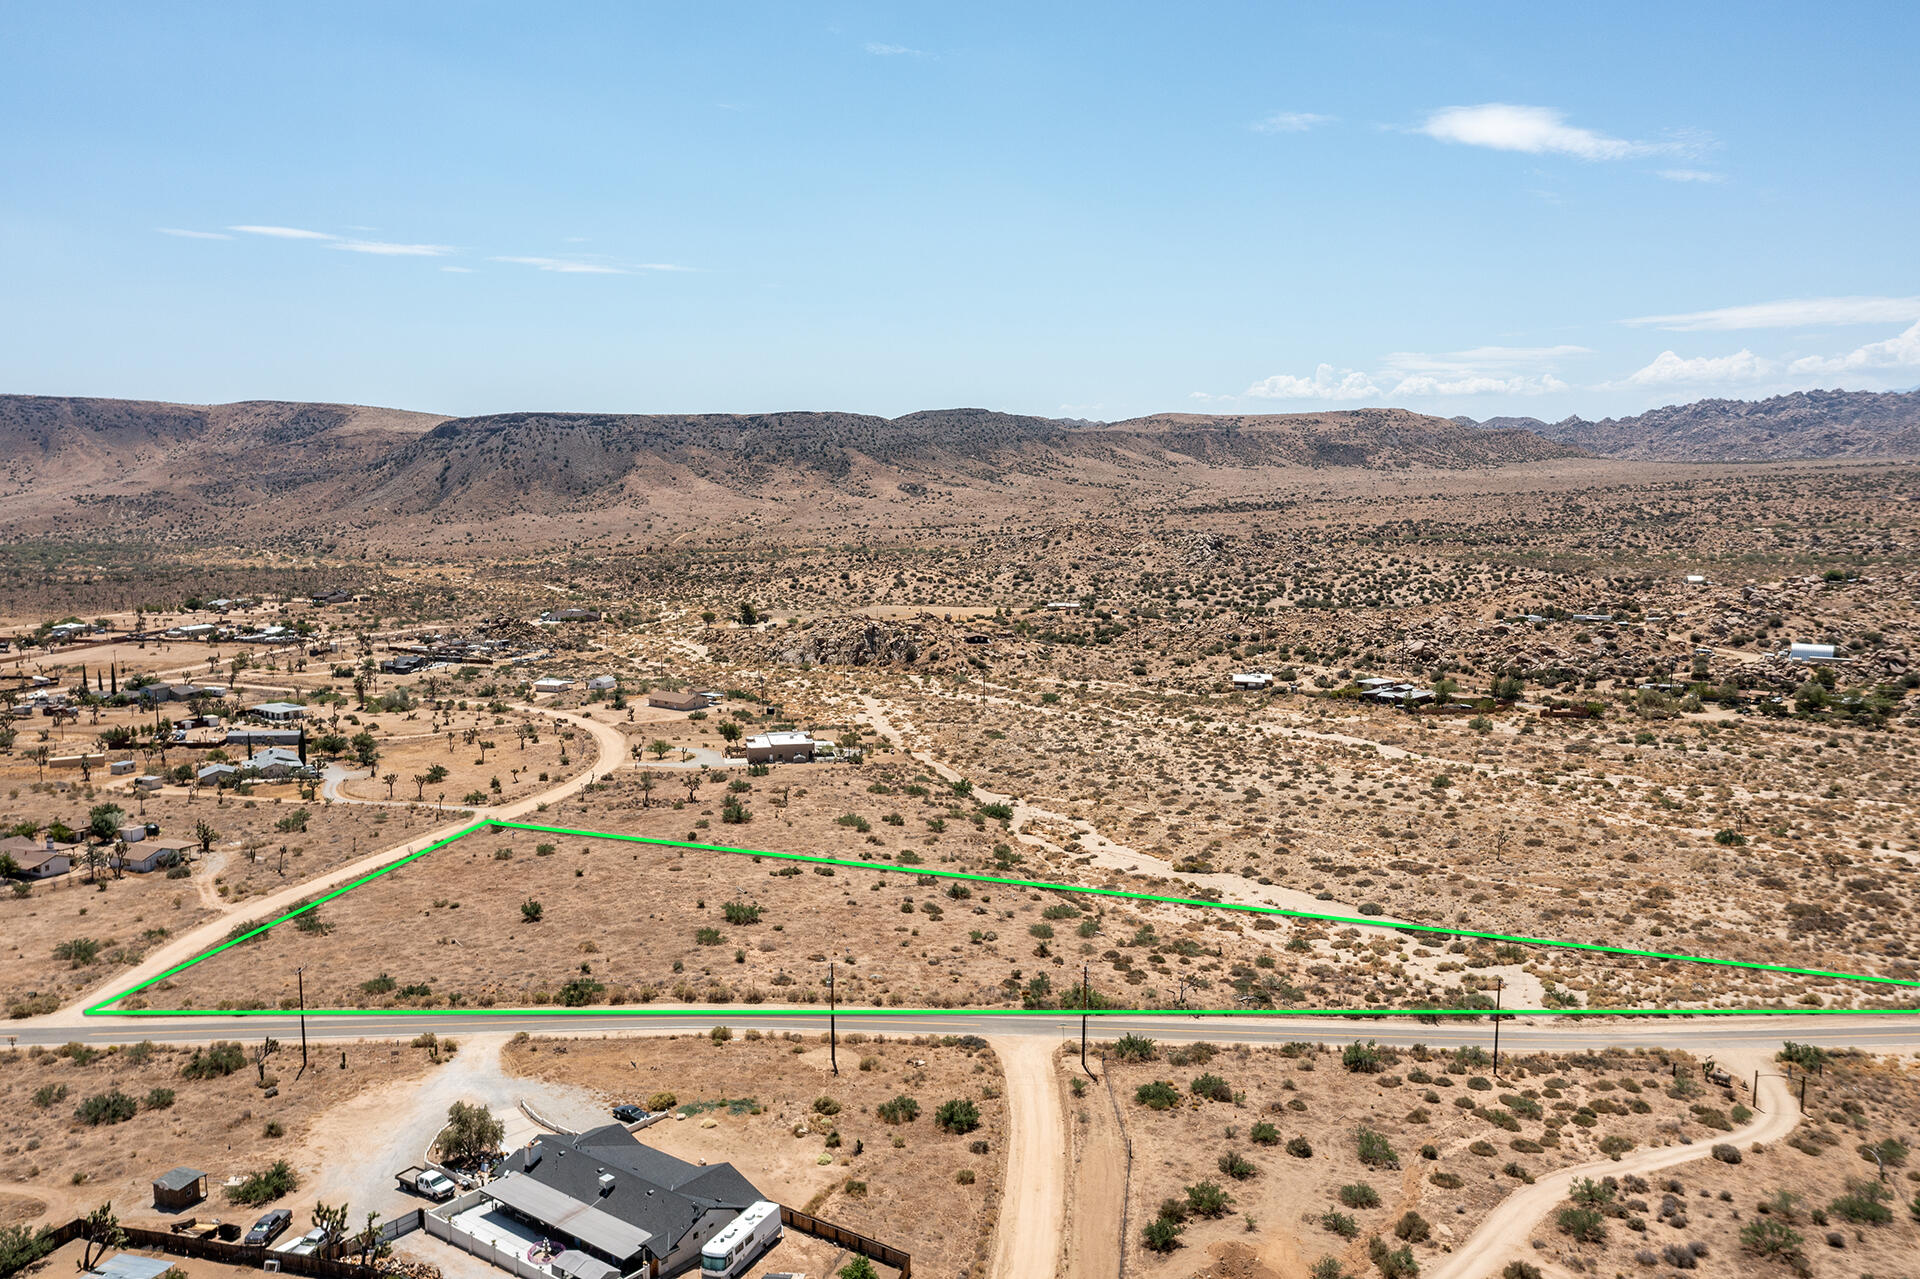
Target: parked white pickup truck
<point>430,1182</point>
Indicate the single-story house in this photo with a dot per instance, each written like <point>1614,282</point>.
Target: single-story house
<point>179,1189</point>
<point>36,859</point>
<point>154,854</point>
<point>335,596</point>
<point>602,684</point>
<point>667,699</point>
<point>571,615</point>
<point>1696,579</point>
<point>1062,606</point>
<point>120,767</point>
<point>633,1209</point>
<point>254,738</point>
<point>279,712</point>
<point>154,693</point>
<point>1255,680</point>
<point>405,664</point>
<point>552,684</point>
<point>148,782</point>
<point>276,761</point>
<point>1814,653</point>
<point>214,774</point>
<point>781,748</point>
<point>197,630</point>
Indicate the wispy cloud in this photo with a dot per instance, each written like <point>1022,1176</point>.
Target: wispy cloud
<point>193,235</point>
<point>382,248</point>
<point>880,50</point>
<point>1793,313</point>
<point>565,266</point>
<point>1670,369</point>
<point>1481,359</point>
<point>1290,122</point>
<point>1692,175</point>
<point>1504,126</point>
<point>284,232</point>
<point>1902,352</point>
<point>1480,370</point>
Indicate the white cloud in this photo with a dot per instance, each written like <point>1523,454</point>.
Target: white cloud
<point>284,232</point>
<point>1291,122</point>
<point>1902,352</point>
<point>565,266</point>
<point>1481,359</point>
<point>1691,175</point>
<point>1503,126</point>
<point>1669,369</point>
<point>1479,384</point>
<point>1480,370</point>
<point>879,50</point>
<point>1791,314</point>
<point>192,235</point>
<point>384,249</point>
<point>1325,384</point>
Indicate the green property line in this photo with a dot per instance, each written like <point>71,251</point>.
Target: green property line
<point>103,1007</point>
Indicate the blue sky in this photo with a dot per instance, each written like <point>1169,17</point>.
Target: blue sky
<point>1098,210</point>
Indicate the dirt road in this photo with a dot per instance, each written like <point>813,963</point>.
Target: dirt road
<point>1093,1245</point>
<point>1503,1235</point>
<point>1026,1240</point>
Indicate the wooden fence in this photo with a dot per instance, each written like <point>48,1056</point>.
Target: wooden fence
<point>232,1254</point>
<point>873,1249</point>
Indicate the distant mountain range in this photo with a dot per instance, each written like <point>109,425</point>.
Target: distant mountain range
<point>1806,424</point>
<point>255,466</point>
<point>309,472</point>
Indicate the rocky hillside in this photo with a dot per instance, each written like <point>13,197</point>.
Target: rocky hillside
<point>594,457</point>
<point>261,469</point>
<point>1806,424</point>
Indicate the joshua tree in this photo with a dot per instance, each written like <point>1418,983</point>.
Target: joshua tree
<point>692,782</point>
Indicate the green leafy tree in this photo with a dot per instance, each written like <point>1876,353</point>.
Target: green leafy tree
<point>104,822</point>
<point>471,1133</point>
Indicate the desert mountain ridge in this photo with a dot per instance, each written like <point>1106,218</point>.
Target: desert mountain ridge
<point>256,468</point>
<point>311,472</point>
<point>1805,424</point>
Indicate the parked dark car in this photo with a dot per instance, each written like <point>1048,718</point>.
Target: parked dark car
<point>629,1114</point>
<point>268,1228</point>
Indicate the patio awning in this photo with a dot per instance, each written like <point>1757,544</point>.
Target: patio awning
<point>578,1265</point>
<point>566,1215</point>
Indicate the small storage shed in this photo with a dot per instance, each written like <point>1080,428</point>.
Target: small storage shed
<point>179,1189</point>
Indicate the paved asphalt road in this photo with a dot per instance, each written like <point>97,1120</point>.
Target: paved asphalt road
<point>1884,1034</point>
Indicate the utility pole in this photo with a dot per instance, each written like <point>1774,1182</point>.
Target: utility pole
<point>299,975</point>
<point>833,1030</point>
<point>1499,990</point>
<point>1086,998</point>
